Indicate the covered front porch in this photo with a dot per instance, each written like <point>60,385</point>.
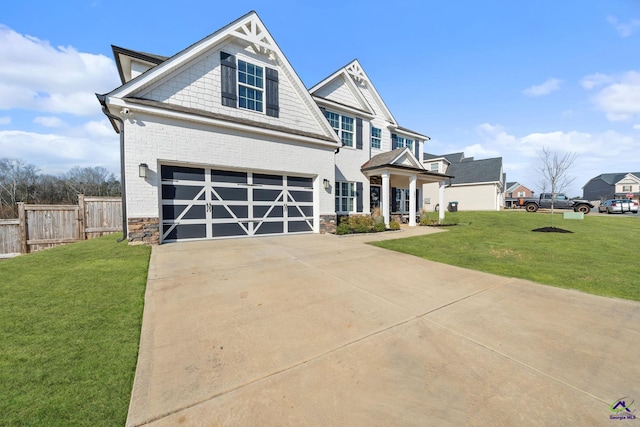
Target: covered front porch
<point>395,182</point>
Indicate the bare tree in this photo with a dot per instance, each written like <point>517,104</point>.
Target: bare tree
<point>555,172</point>
<point>17,184</point>
<point>20,182</point>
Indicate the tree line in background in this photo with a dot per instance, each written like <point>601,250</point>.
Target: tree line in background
<point>22,182</point>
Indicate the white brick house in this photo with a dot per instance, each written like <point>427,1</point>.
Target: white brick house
<point>223,140</point>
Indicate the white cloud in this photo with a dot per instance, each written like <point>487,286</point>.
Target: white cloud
<point>480,152</point>
<point>636,127</point>
<point>50,122</point>
<point>603,152</point>
<point>598,79</point>
<point>624,30</point>
<point>620,96</point>
<point>37,76</point>
<point>5,120</point>
<point>101,129</point>
<point>57,153</point>
<point>550,85</point>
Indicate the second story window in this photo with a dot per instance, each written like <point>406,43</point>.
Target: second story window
<point>401,141</point>
<point>376,137</point>
<point>343,125</point>
<point>434,167</point>
<point>250,86</point>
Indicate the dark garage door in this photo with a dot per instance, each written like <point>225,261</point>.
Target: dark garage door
<point>203,203</point>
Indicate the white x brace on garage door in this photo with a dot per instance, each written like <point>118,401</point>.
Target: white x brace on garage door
<point>202,203</point>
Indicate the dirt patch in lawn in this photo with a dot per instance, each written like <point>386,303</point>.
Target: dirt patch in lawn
<point>551,230</point>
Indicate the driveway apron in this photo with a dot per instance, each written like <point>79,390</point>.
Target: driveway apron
<point>320,330</point>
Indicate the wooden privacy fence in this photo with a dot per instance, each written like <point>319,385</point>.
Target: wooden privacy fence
<point>44,226</point>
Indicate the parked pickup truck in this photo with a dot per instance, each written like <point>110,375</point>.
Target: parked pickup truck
<point>560,201</point>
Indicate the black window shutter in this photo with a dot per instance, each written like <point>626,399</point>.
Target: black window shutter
<point>359,205</point>
<point>416,148</point>
<point>418,201</point>
<point>228,80</point>
<point>273,106</point>
<point>394,205</point>
<point>358,134</point>
<point>394,141</point>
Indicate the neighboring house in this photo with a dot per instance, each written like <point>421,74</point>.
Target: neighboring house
<point>515,191</point>
<point>612,186</point>
<point>476,185</point>
<point>223,140</point>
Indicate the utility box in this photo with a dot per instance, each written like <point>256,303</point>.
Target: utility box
<point>572,215</point>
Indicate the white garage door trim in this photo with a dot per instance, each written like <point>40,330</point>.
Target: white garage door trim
<point>210,203</point>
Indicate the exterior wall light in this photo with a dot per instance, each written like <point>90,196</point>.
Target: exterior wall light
<point>326,184</point>
<point>143,170</point>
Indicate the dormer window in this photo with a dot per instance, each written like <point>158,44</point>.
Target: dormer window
<point>250,86</point>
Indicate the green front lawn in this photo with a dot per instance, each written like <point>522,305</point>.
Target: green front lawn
<point>600,257</point>
<point>70,322</point>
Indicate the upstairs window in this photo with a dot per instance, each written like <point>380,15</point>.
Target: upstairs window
<point>250,86</point>
<point>627,188</point>
<point>343,126</point>
<point>401,141</point>
<point>434,167</point>
<point>376,137</point>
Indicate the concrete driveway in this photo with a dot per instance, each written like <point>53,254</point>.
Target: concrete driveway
<point>319,330</point>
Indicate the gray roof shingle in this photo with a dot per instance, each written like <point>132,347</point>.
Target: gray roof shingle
<point>486,170</point>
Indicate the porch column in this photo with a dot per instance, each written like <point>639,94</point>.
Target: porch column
<point>412,200</point>
<point>441,202</point>
<point>385,198</point>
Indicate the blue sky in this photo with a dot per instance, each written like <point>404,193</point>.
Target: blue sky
<point>493,78</point>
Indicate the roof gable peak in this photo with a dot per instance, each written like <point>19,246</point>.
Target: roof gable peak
<point>354,69</point>
<point>252,30</point>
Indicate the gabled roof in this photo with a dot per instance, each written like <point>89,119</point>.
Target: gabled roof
<point>124,56</point>
<point>510,186</point>
<point>251,31</point>
<point>346,74</point>
<point>612,178</point>
<point>385,159</point>
<point>467,172</point>
<point>454,157</point>
<point>354,76</point>
<point>400,158</point>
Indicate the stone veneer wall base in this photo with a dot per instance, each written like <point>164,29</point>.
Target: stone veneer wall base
<point>144,231</point>
<point>328,224</point>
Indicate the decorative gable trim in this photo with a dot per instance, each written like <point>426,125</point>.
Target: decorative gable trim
<point>250,29</point>
<point>344,77</point>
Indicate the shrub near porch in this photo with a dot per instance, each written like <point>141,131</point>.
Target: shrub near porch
<point>363,224</point>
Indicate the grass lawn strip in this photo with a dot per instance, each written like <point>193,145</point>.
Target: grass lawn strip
<point>598,257</point>
<point>70,327</point>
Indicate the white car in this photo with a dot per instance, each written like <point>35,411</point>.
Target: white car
<point>618,206</point>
